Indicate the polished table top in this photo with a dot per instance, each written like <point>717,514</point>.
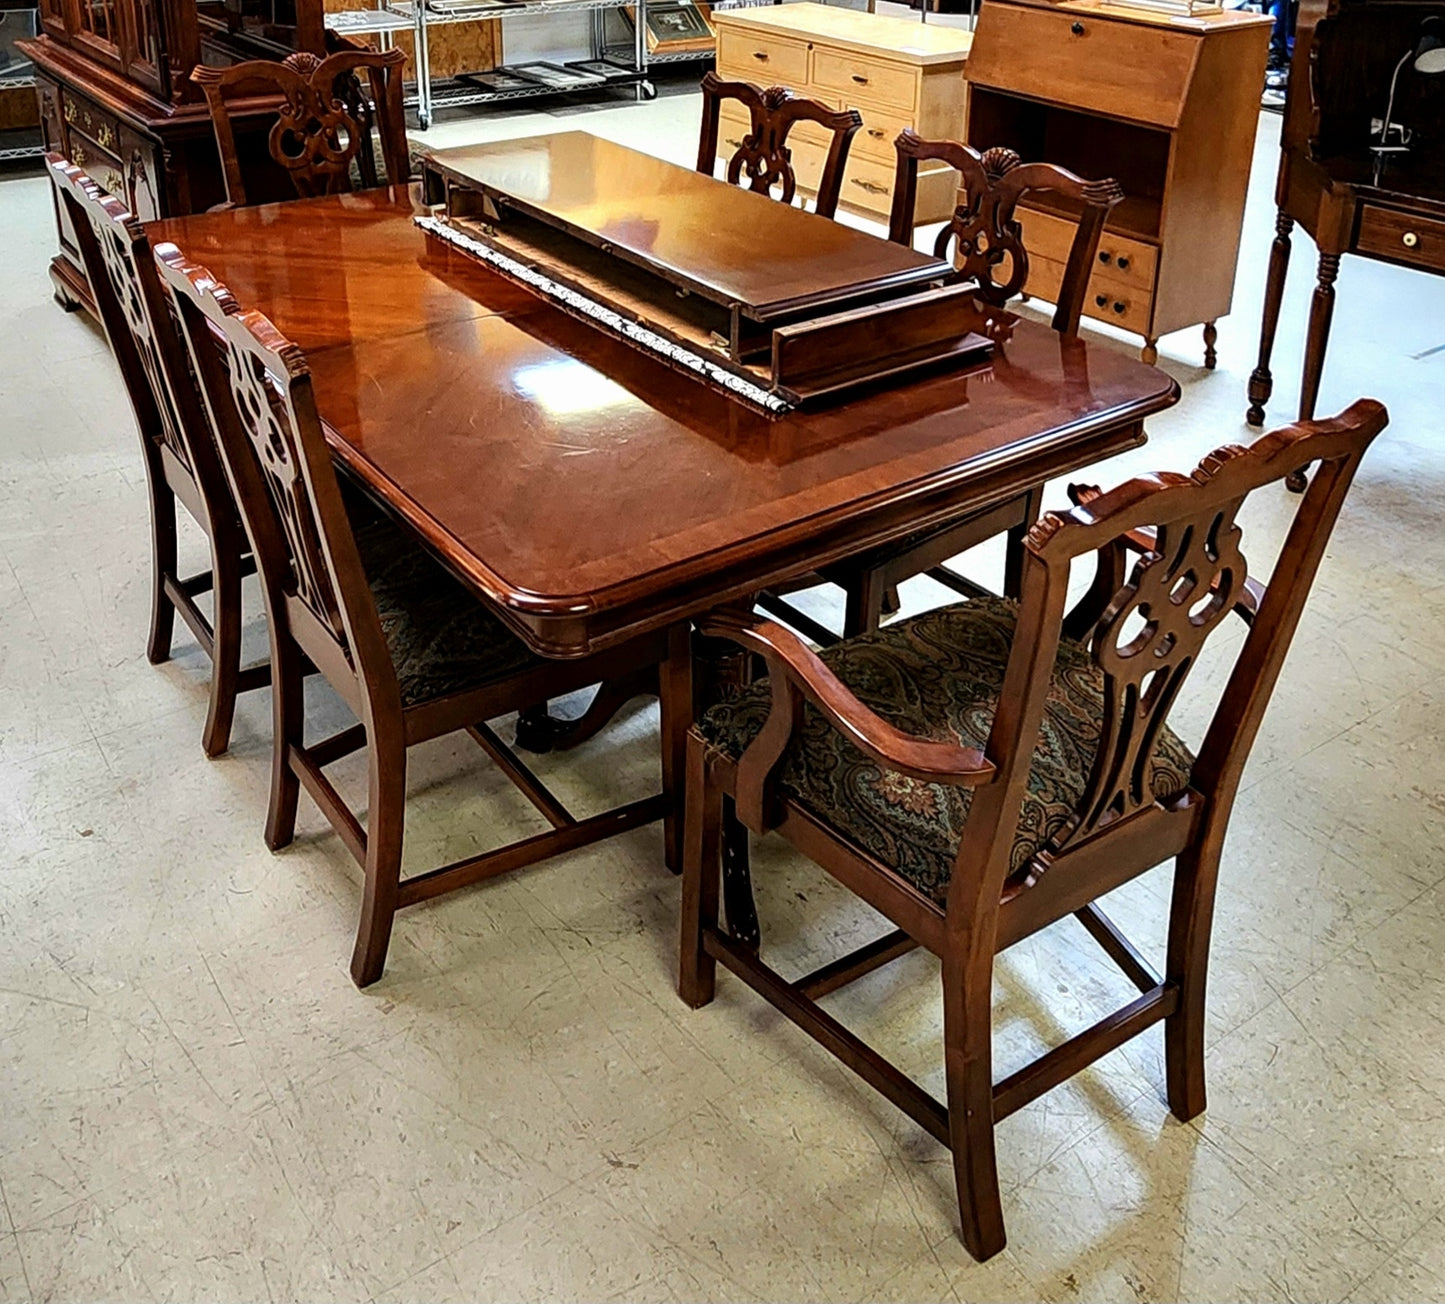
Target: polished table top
<point>728,244</point>
<point>586,488</point>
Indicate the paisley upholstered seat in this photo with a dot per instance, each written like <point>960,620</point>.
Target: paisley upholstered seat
<point>441,638</point>
<point>938,675</point>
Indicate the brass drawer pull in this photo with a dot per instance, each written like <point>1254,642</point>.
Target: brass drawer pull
<point>860,79</point>
<point>1409,239</point>
<point>758,54</point>
<point>877,132</point>
<point>869,186</point>
<point>106,135</point>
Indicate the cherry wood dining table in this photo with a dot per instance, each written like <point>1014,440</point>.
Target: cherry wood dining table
<point>591,493</point>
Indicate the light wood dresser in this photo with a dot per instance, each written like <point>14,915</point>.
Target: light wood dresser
<point>1167,105</point>
<point>897,73</point>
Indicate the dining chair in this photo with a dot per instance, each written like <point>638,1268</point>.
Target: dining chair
<point>984,770</point>
<point>413,653</point>
<point>179,451</point>
<point>322,136</point>
<point>763,157</point>
<point>984,241</point>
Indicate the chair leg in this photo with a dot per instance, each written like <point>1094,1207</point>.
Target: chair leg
<point>968,1064</point>
<point>1191,917</point>
<point>701,876</point>
<point>386,819</point>
<point>226,645</point>
<point>288,704</point>
<point>163,563</point>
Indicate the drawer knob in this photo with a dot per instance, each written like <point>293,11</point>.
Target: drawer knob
<point>758,54</point>
<point>1077,29</point>
<point>860,79</point>
<point>869,186</point>
<point>1409,239</point>
<point>1123,261</point>
<point>1119,307</point>
<point>1105,257</point>
<point>1102,300</point>
<point>877,133</point>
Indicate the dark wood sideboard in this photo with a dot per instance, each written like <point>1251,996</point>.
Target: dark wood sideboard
<point>113,81</point>
<point>1348,199</point>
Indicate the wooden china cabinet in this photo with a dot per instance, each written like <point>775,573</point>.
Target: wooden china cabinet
<point>116,98</point>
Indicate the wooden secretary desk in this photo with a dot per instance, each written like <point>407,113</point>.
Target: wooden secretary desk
<point>116,98</point>
<point>1347,198</point>
<point>1168,105</point>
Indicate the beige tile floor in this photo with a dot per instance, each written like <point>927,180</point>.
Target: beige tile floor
<point>195,1103</point>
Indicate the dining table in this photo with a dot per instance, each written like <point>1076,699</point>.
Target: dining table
<point>588,491</point>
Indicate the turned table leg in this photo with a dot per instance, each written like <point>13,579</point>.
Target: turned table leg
<point>1322,308</point>
<point>1261,383</point>
<point>1211,337</point>
<point>1149,354</point>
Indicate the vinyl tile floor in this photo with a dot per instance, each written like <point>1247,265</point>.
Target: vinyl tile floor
<point>196,1103</point>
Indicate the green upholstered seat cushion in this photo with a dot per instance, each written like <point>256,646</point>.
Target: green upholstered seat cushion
<point>938,675</point>
<point>442,639</point>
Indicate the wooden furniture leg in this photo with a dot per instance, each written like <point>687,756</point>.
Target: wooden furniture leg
<point>968,1067</point>
<point>677,710</point>
<point>1014,554</point>
<point>1322,309</point>
<point>1149,354</point>
<point>702,873</point>
<point>226,643</point>
<point>1211,336</point>
<point>288,706</point>
<point>1261,383</point>
<point>163,565</point>
<point>737,880</point>
<point>1191,916</point>
<point>385,821</point>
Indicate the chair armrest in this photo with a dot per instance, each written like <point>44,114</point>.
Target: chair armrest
<point>793,662</point>
<point>1246,605</point>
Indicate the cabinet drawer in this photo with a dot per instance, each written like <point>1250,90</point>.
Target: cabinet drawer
<point>1403,237</point>
<point>763,60</point>
<point>1120,69</point>
<point>868,184</point>
<point>100,127</point>
<point>880,129</point>
<point>855,76</point>
<point>1106,299</point>
<point>1129,262</point>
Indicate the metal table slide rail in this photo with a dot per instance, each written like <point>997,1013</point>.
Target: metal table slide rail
<point>427,97</point>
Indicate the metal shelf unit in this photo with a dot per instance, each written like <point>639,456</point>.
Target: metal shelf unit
<point>415,16</point>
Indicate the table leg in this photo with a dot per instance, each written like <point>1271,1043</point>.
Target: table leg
<point>1322,309</point>
<point>1261,383</point>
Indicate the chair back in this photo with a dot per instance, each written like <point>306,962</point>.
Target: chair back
<point>763,156</point>
<point>142,334</point>
<point>984,231</point>
<point>324,122</point>
<point>257,389</point>
<point>1144,626</point>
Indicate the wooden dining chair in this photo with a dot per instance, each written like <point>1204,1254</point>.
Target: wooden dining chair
<point>984,770</point>
<point>322,135</point>
<point>178,448</point>
<point>413,653</point>
<point>763,158</point>
<point>984,240</point>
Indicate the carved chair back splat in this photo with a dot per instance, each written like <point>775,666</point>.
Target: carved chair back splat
<point>325,601</point>
<point>764,157</point>
<point>324,122</point>
<point>983,230</point>
<point>1134,638</point>
<point>181,459</point>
